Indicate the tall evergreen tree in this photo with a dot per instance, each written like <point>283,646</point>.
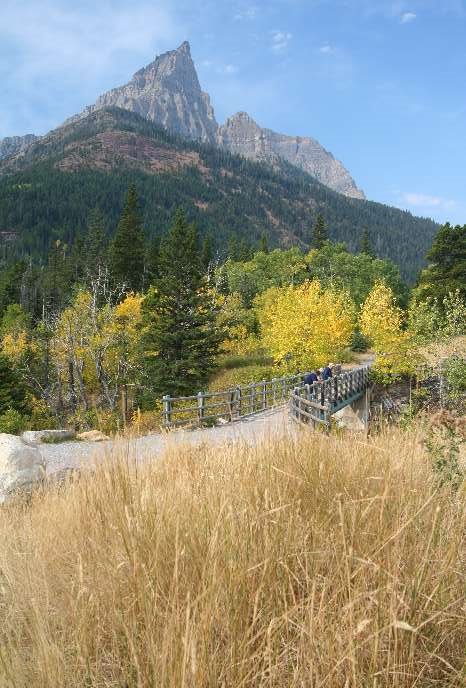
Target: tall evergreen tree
<point>96,242</point>
<point>263,244</point>
<point>58,277</point>
<point>207,252</point>
<point>127,249</point>
<point>12,392</point>
<point>446,271</point>
<point>152,262</point>
<point>365,245</point>
<point>319,233</point>
<point>181,340</point>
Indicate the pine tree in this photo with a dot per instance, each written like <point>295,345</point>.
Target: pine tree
<point>181,339</point>
<point>366,244</point>
<point>96,242</point>
<point>12,392</point>
<point>152,262</point>
<point>58,277</point>
<point>263,244</point>
<point>447,270</point>
<point>207,252</point>
<point>319,233</point>
<point>127,249</point>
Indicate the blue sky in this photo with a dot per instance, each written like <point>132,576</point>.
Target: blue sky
<point>380,83</point>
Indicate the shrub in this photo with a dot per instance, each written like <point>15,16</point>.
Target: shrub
<point>12,422</point>
<point>455,373</point>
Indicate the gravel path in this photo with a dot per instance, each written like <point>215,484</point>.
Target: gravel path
<point>71,455</point>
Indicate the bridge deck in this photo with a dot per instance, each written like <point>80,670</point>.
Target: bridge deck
<point>318,402</point>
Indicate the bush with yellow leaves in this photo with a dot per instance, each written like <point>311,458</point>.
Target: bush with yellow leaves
<point>305,326</point>
<point>381,321</point>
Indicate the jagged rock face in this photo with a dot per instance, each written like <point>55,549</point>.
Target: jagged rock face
<point>241,134</point>
<point>15,144</point>
<point>168,93</point>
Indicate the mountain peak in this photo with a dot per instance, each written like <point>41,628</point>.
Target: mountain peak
<point>167,92</point>
<point>242,135</point>
<point>184,48</point>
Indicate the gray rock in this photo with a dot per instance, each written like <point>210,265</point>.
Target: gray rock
<point>21,466</point>
<point>167,92</point>
<point>92,436</point>
<point>11,145</point>
<point>39,436</point>
<point>241,134</point>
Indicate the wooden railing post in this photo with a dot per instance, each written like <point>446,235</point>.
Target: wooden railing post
<point>239,400</point>
<point>200,407</point>
<point>264,394</point>
<point>274,391</point>
<point>167,410</point>
<point>231,403</point>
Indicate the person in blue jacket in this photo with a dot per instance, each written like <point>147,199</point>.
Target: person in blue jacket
<point>310,378</point>
<point>326,372</point>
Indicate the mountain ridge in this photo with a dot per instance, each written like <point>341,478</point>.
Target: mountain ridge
<point>47,192</point>
<point>167,92</point>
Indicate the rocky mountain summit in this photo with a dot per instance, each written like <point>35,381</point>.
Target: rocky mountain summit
<point>242,135</point>
<point>167,92</point>
<point>11,145</point>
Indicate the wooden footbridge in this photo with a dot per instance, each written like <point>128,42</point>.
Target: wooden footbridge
<point>309,404</point>
<point>316,404</point>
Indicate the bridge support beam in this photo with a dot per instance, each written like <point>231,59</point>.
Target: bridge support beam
<point>355,416</point>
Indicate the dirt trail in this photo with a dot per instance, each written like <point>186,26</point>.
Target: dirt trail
<point>69,455</point>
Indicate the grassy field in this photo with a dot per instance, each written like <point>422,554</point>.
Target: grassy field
<point>310,561</point>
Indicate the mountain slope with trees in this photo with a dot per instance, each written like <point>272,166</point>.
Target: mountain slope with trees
<point>47,194</point>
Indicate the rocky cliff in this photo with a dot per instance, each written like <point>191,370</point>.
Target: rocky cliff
<point>168,93</point>
<point>15,144</point>
<point>242,135</point>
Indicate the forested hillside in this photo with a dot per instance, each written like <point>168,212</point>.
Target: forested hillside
<point>47,194</point>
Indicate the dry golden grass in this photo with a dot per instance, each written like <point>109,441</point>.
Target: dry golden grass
<point>311,562</point>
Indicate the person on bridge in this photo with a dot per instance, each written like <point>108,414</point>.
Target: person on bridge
<point>310,378</point>
<point>326,372</point>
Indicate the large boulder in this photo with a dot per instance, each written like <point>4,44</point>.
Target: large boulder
<point>21,466</point>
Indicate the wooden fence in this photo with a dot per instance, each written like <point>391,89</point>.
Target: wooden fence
<point>315,404</point>
<point>206,408</point>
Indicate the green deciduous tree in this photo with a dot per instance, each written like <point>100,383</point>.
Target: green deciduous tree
<point>180,338</point>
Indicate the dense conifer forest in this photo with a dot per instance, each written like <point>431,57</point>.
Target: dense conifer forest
<point>47,194</point>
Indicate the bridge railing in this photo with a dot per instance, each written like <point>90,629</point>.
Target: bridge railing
<point>229,405</point>
<point>315,404</point>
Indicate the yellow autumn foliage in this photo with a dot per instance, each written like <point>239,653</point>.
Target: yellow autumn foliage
<point>381,321</point>
<point>15,345</point>
<point>305,326</point>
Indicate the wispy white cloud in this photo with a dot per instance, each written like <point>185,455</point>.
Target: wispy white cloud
<point>229,69</point>
<point>82,47</point>
<point>422,200</point>
<point>280,40</point>
<point>246,13</point>
<point>407,17</point>
<point>326,49</point>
